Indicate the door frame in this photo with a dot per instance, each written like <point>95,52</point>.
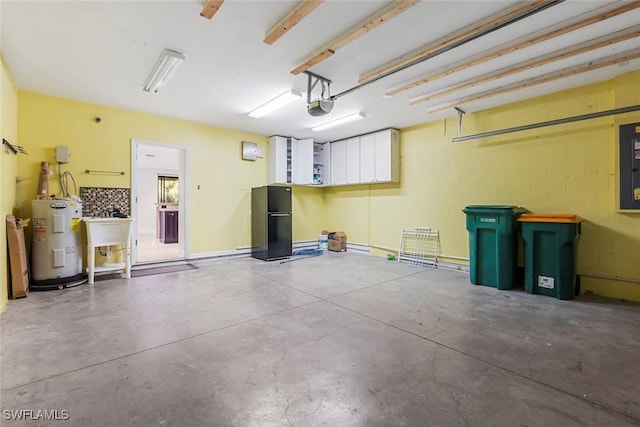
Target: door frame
<point>183,176</point>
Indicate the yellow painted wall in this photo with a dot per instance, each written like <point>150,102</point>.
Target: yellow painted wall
<point>565,168</point>
<point>8,170</point>
<point>568,168</point>
<point>222,223</point>
<point>308,213</point>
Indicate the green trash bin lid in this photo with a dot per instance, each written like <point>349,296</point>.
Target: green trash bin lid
<point>494,209</point>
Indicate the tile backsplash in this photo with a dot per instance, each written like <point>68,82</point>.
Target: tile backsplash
<point>96,201</point>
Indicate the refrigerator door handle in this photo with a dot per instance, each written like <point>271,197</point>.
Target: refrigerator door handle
<point>279,214</point>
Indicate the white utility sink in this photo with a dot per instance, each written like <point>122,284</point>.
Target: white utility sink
<point>108,232</point>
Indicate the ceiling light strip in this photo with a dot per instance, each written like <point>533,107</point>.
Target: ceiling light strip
<point>340,121</point>
<point>276,103</point>
<point>166,65</point>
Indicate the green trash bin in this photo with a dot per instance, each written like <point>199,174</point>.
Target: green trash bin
<point>550,247</point>
<point>493,244</point>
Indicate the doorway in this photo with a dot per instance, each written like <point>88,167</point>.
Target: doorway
<point>159,195</point>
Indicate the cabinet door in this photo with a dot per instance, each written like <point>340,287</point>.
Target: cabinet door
<point>318,164</point>
<point>293,158</point>
<point>302,161</point>
<point>326,164</point>
<point>387,155</point>
<point>353,160</point>
<point>367,158</point>
<point>339,162</point>
<point>278,160</point>
<point>382,156</point>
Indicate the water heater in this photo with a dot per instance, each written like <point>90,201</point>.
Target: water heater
<point>56,248</point>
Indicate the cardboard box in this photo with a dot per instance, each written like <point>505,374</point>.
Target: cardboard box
<point>337,241</point>
<point>18,256</point>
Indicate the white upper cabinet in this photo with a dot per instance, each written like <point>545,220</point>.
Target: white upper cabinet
<point>353,160</point>
<point>326,163</point>
<point>290,160</point>
<point>302,159</point>
<point>386,156</point>
<point>380,156</point>
<point>279,160</point>
<point>367,158</point>
<point>319,174</point>
<point>339,162</point>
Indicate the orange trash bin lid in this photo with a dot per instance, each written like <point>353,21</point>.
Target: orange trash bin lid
<point>561,218</point>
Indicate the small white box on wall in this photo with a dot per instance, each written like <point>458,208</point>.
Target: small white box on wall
<point>249,150</point>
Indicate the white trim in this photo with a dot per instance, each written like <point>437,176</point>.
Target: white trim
<point>246,250</point>
<point>352,247</point>
<point>302,244</point>
<point>359,247</point>
<point>221,254</point>
<point>462,268</point>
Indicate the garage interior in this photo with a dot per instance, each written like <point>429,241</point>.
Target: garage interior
<point>530,104</point>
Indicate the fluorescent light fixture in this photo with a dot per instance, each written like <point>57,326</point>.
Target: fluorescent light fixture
<point>276,103</point>
<point>167,64</point>
<point>337,122</point>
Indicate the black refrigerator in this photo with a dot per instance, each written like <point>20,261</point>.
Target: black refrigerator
<point>271,222</point>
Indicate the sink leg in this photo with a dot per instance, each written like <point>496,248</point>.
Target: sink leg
<point>127,261</point>
<point>91,260</point>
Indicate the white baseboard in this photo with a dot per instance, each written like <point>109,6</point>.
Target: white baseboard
<point>358,247</point>
<point>221,254</point>
<point>303,244</point>
<point>451,266</point>
<point>246,250</point>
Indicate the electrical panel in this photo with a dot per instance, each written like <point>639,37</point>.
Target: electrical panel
<point>62,154</point>
<point>630,166</point>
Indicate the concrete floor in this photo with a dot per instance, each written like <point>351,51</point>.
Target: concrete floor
<point>339,340</point>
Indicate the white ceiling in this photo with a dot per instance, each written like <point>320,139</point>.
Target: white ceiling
<point>102,51</point>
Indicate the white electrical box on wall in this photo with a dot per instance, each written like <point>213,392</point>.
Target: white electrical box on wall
<point>62,154</point>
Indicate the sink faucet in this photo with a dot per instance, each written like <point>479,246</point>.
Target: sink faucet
<point>115,213</point>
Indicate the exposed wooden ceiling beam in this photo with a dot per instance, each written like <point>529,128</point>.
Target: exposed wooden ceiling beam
<point>380,17</point>
<point>555,75</point>
<point>565,53</point>
<point>294,16</point>
<point>210,8</point>
<point>520,10</point>
<point>520,44</point>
